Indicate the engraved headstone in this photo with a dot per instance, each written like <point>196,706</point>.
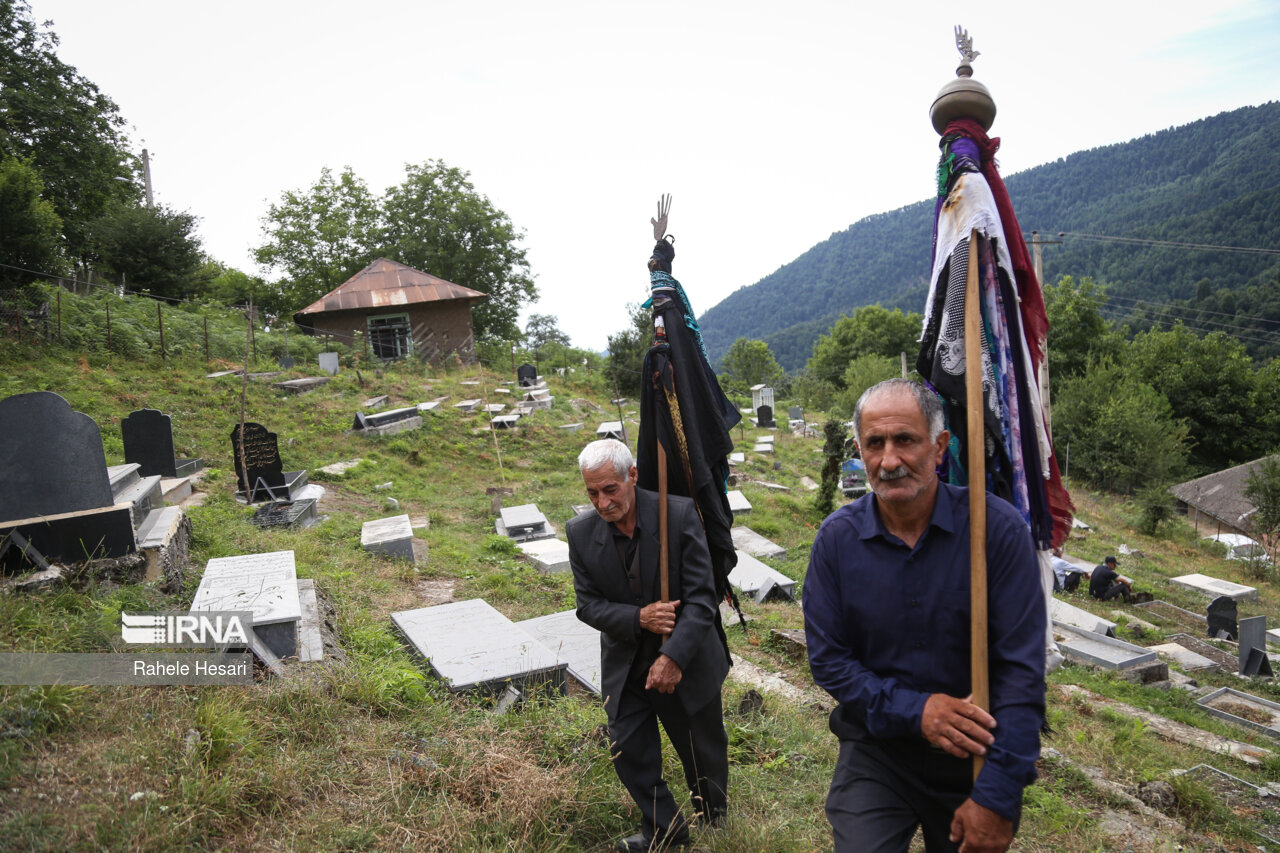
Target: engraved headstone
<point>256,456</point>
<point>795,413</point>
<point>266,584</point>
<point>1222,614</point>
<point>527,375</point>
<point>391,536</point>
<point>148,441</point>
<point>764,417</point>
<point>549,555</point>
<point>1215,587</point>
<point>329,362</point>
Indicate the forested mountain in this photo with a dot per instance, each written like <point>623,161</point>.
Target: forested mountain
<point>1213,182</point>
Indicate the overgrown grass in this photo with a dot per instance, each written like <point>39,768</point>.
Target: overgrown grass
<point>372,752</point>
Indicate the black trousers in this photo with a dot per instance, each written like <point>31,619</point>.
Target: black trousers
<point>883,790</point>
<point>699,739</point>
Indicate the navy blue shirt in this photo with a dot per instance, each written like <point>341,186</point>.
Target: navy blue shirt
<point>888,625</point>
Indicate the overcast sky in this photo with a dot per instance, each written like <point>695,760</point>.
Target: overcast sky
<point>772,124</point>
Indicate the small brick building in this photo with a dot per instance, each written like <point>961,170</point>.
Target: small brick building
<point>400,311</point>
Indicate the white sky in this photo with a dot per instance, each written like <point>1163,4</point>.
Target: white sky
<point>772,124</point>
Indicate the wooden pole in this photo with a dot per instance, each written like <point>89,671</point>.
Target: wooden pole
<point>974,408</point>
<point>59,295</point>
<point>206,338</point>
<point>108,328</point>
<point>664,557</point>
<point>160,326</point>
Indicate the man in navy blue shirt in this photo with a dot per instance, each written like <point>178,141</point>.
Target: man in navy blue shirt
<point>886,606</point>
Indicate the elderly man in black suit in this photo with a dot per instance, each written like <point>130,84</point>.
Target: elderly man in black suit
<point>660,661</point>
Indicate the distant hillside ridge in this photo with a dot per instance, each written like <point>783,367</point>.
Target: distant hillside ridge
<point>1215,181</point>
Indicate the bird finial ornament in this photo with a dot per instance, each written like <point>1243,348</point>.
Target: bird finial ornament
<point>963,97</point>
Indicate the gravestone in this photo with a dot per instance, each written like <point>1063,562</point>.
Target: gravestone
<point>1229,704</point>
<point>579,509</point>
<point>738,503</point>
<point>1215,587</point>
<point>527,375</point>
<point>51,458</point>
<point>302,385</point>
<point>764,417</point>
<point>746,539</point>
<point>376,402</point>
<point>496,408</point>
<point>1253,646</point>
<point>286,363</point>
<point>1099,649</point>
<point>266,584</point>
<point>389,422</point>
<point>524,523</point>
<point>301,514</point>
<point>1184,657</point>
<point>505,421</point>
<point>329,362</point>
<point>1222,614</point>
<point>259,471</point>
<point>737,458</point>
<point>148,441</point>
<point>549,555</point>
<point>1061,611</point>
<point>795,413</point>
<point>472,646</point>
<point>610,429</point>
<point>763,447</point>
<point>759,581</point>
<point>573,642</point>
<point>390,536</point>
<point>468,405</point>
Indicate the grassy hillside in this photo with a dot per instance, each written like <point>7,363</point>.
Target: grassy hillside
<point>369,752</point>
<point>1211,182</point>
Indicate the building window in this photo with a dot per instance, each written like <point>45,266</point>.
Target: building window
<point>390,336</point>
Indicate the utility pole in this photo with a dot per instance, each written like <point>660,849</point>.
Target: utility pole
<point>1038,253</point>
<point>146,177</point>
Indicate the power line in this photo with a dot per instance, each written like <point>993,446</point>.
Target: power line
<point>1188,317</point>
<point>1172,244</point>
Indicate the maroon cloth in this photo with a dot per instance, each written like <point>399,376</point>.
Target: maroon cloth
<point>1035,321</point>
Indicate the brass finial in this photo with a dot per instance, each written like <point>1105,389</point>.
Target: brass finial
<point>963,97</point>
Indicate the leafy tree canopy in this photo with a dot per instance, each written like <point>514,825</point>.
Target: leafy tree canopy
<point>871,330</point>
<point>1078,333</point>
<point>58,122</point>
<point>149,249</point>
<point>29,238</point>
<point>1262,488</point>
<point>626,351</point>
<point>542,329</point>
<point>751,363</point>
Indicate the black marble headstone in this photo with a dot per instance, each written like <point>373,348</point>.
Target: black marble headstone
<point>795,413</point>
<point>261,461</point>
<point>527,375</point>
<point>286,363</point>
<point>1253,647</point>
<point>51,458</point>
<point>148,441</point>
<point>764,417</point>
<point>1222,618</point>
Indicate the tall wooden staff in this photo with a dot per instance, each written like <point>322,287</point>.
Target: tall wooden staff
<point>664,556</point>
<point>979,681</point>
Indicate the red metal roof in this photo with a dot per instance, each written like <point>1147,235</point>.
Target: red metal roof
<point>386,283</point>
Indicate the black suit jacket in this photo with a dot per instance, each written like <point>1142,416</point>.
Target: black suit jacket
<point>605,601</point>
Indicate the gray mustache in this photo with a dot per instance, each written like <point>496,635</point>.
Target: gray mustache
<point>896,474</point>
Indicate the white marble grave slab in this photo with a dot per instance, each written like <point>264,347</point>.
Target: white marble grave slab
<point>572,427</point>
<point>609,428</point>
<point>550,555</point>
<point>429,406</point>
<point>310,640</point>
<point>495,408</point>
<point>337,469</point>
<point>737,458</point>
<point>765,439</point>
<point>738,503</point>
<point>762,448</point>
<point>572,641</point>
<point>1216,587</point>
<point>746,539</point>
<point>754,578</point>
<point>470,645</point>
<point>522,517</point>
<point>1061,611</point>
<point>266,584</point>
<point>1182,656</point>
<point>1100,650</point>
<point>468,405</point>
<point>391,536</point>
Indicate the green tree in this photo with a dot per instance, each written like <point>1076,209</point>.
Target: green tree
<point>58,122</point>
<point>834,436</point>
<point>1121,432</point>
<point>1078,332</point>
<point>321,236</point>
<point>863,372</point>
<point>149,249</point>
<point>871,330</point>
<point>1262,488</point>
<point>542,333</point>
<point>627,348</point>
<point>750,363</point>
<point>438,223</point>
<point>29,238</point>
<point>1210,384</point>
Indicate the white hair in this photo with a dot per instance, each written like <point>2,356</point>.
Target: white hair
<point>930,405</point>
<point>606,451</point>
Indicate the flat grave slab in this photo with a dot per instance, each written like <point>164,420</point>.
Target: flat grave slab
<point>765,439</point>
<point>579,509</point>
<point>1183,657</point>
<point>300,514</point>
<point>303,385</point>
<point>1215,587</point>
<point>429,406</point>
<point>337,469</point>
<point>472,646</point>
<point>746,539</point>
<point>502,390</point>
<point>573,642</point>
<point>390,536</point>
<point>1100,650</point>
<point>375,402</point>
<point>468,405</point>
<point>266,584</point>
<point>496,408</point>
<point>762,448</point>
<point>1243,709</point>
<point>221,373</point>
<point>573,427</point>
<point>524,523</point>
<point>759,581</point>
<point>737,458</point>
<point>550,555</point>
<point>310,640</point>
<point>610,429</point>
<point>470,382</point>
<point>505,422</point>
<point>1255,806</point>
<point>738,503</point>
<point>1078,617</point>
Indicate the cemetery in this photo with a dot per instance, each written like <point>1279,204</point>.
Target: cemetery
<point>337,580</point>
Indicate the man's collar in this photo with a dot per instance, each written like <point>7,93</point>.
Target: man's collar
<point>870,525</point>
